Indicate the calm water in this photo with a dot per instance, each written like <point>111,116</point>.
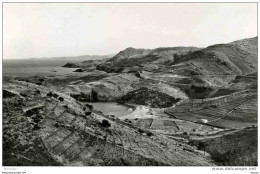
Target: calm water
<point>111,108</point>
<point>30,67</point>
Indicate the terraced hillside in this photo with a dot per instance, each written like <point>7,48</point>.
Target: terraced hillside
<point>71,137</point>
<point>235,111</point>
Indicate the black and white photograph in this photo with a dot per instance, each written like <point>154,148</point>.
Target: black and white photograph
<point>129,84</point>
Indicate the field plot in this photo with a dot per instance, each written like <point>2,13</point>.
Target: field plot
<point>231,112</point>
<point>175,127</point>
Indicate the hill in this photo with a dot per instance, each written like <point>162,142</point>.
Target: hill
<point>185,106</point>
<point>141,57</point>
<point>239,58</point>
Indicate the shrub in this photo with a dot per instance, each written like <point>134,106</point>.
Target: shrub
<point>149,134</point>
<point>36,127</point>
<point>41,80</point>
<point>36,119</point>
<point>140,131</point>
<point>94,95</point>
<point>88,113</point>
<point>105,123</point>
<point>31,112</point>
<point>90,107</point>
<point>57,125</point>
<point>202,146</point>
<point>61,99</point>
<point>49,94</point>
<point>138,75</point>
<point>55,95</point>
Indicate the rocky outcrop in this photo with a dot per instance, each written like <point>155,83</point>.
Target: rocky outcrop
<point>71,65</point>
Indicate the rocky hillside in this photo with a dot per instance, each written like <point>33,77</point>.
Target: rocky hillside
<point>129,53</point>
<point>145,96</point>
<point>115,86</point>
<point>239,57</point>
<point>65,132</point>
<point>141,57</point>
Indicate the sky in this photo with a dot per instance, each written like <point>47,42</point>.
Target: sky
<point>35,30</point>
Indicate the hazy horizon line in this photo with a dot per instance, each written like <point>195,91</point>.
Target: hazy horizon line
<point>50,57</point>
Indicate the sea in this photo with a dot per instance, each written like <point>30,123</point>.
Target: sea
<point>33,67</point>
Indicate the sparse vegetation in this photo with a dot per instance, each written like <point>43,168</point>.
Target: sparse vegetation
<point>105,123</point>
<point>61,99</point>
<point>88,113</point>
<point>49,94</point>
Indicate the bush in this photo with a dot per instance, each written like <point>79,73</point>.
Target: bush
<point>55,95</point>
<point>88,113</point>
<point>149,134</point>
<point>61,99</point>
<point>31,112</point>
<point>138,75</point>
<point>94,95</point>
<point>57,125</point>
<point>105,123</point>
<point>36,127</point>
<point>140,131</point>
<point>185,133</point>
<point>49,94</point>
<point>90,107</point>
